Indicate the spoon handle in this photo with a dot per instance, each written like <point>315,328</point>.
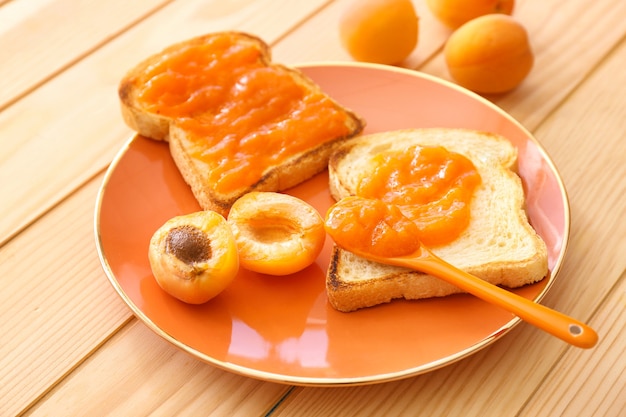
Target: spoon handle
<point>558,324</point>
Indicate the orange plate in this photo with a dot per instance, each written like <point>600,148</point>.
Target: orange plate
<point>282,328</point>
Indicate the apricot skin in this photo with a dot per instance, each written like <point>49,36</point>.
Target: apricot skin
<point>454,13</point>
<point>489,54</point>
<point>379,31</point>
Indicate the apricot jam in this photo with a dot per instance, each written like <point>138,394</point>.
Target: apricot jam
<point>241,115</point>
<point>371,226</point>
<point>430,185</point>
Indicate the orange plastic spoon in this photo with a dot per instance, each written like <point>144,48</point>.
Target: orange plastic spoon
<point>558,324</point>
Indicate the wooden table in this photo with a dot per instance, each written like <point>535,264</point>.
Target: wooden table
<point>69,345</point>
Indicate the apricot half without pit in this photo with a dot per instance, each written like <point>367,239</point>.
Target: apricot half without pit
<point>276,234</point>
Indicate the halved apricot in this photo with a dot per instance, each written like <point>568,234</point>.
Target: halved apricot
<point>276,234</point>
<point>194,257</point>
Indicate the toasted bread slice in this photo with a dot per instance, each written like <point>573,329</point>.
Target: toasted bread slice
<point>499,245</point>
<point>231,117</point>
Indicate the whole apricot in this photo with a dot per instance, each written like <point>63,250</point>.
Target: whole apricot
<point>454,13</point>
<point>379,31</point>
<point>489,54</point>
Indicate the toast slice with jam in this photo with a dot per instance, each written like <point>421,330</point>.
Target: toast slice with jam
<point>498,245</point>
<point>235,121</point>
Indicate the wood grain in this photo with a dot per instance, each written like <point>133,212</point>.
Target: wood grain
<point>46,37</point>
<point>60,301</point>
<point>70,346</point>
<point>589,385</point>
<point>596,258</point>
<point>153,377</point>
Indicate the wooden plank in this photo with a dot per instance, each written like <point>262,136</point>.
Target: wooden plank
<point>41,137</point>
<point>39,39</point>
<point>589,385</point>
<point>61,306</point>
<point>14,12</point>
<point>154,378</point>
<point>598,243</point>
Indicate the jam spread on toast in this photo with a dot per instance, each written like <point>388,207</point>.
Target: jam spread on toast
<point>372,226</point>
<point>431,186</point>
<point>240,114</point>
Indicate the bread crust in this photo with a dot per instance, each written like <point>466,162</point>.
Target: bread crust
<point>499,245</point>
<point>287,174</point>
